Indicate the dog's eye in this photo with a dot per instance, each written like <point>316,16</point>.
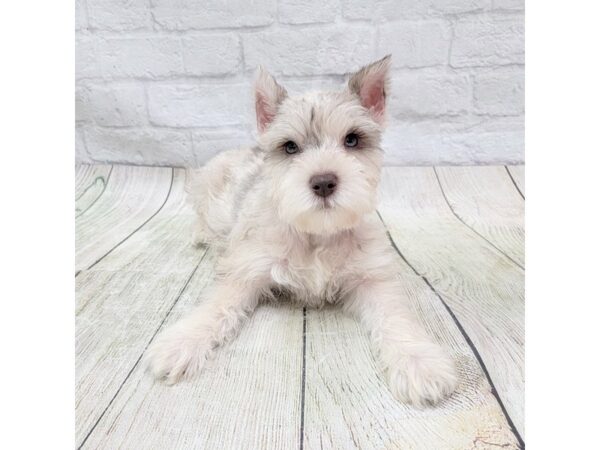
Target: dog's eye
<point>351,140</point>
<point>290,147</point>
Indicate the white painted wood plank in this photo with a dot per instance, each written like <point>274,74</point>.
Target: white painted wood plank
<point>250,393</point>
<point>131,197</point>
<point>90,182</point>
<point>349,405</point>
<point>85,174</point>
<point>485,198</point>
<point>518,175</point>
<point>483,287</point>
<point>122,301</point>
<point>248,396</point>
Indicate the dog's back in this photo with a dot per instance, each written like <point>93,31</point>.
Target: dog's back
<point>217,191</point>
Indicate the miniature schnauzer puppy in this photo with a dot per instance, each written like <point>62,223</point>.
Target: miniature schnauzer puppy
<point>295,216</point>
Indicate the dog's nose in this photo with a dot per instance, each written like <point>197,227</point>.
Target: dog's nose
<point>323,184</point>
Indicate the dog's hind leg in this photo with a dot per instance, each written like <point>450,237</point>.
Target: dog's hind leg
<point>201,194</point>
<point>213,190</point>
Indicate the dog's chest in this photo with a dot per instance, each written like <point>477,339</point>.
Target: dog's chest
<point>314,273</point>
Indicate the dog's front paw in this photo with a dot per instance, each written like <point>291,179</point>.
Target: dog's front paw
<point>423,379</point>
<point>177,354</point>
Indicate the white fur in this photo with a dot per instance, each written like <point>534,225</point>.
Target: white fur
<point>276,237</point>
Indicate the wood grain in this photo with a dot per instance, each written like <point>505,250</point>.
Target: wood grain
<point>85,174</point>
<point>248,396</point>
<point>132,196</point>
<point>482,287</point>
<point>518,175</point>
<point>485,198</point>
<point>349,405</point>
<point>121,302</point>
<point>90,182</point>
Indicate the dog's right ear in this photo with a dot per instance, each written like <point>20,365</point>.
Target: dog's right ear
<point>268,95</point>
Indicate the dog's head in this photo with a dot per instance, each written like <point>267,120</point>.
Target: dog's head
<point>322,150</point>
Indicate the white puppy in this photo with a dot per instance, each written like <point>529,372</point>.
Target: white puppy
<point>295,216</point>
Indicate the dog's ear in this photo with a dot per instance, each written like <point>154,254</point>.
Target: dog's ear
<point>370,84</point>
<point>268,95</point>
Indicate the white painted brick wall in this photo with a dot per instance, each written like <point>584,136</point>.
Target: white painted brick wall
<point>169,82</point>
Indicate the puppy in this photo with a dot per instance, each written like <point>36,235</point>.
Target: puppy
<point>295,216</point>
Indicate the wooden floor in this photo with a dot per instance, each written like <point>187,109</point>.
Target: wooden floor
<point>298,379</point>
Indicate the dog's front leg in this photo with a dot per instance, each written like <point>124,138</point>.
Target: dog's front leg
<point>418,370</point>
<point>182,349</point>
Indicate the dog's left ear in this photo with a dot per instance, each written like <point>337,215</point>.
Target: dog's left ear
<point>268,95</point>
<point>370,84</point>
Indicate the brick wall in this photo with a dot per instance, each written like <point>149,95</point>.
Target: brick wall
<point>169,82</point>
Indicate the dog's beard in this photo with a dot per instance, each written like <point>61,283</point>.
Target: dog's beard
<point>327,221</point>
<point>354,197</point>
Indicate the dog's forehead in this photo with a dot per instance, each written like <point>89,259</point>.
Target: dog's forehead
<point>317,115</point>
<point>319,104</point>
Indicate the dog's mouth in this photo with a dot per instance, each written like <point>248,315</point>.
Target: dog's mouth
<point>326,203</point>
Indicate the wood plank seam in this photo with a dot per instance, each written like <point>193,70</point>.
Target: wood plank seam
<point>131,196</point>
<point>303,389</point>
<point>465,336</point>
<point>469,226</point>
<point>138,228</point>
<point>102,192</point>
<point>137,362</point>
<point>514,183</point>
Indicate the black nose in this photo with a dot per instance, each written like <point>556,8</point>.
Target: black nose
<point>323,184</point>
